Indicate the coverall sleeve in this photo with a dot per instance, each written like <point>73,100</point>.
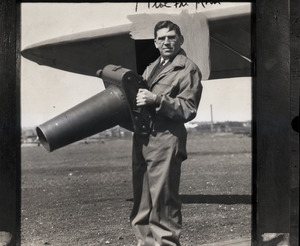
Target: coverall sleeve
<point>182,107</point>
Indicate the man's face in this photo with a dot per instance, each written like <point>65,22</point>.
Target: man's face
<point>168,43</point>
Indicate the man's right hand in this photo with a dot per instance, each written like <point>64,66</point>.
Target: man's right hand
<point>145,97</point>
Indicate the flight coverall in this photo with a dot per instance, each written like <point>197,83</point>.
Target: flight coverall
<point>156,158</point>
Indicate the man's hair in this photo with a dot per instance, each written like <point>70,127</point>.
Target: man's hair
<point>167,24</point>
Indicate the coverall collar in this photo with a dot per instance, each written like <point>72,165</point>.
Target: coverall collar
<point>178,61</point>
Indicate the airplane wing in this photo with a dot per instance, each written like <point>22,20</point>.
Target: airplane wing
<point>230,46</point>
<point>220,46</point>
<point>86,52</point>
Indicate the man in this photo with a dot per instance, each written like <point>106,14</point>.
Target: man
<point>175,89</point>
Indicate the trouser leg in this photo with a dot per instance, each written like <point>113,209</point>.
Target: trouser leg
<point>156,213</point>
<point>141,197</point>
<point>164,168</point>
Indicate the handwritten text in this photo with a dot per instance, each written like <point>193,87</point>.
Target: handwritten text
<point>177,5</point>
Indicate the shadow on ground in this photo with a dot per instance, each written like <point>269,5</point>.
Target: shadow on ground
<point>213,199</point>
<point>216,199</point>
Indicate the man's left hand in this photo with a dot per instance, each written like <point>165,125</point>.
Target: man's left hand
<point>145,97</point>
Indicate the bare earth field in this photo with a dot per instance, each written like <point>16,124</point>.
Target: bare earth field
<point>81,194</point>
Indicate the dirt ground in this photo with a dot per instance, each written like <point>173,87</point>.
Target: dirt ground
<point>82,195</point>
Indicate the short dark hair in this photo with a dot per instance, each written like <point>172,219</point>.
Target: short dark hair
<point>167,24</point>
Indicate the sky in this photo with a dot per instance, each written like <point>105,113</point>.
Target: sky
<point>47,92</point>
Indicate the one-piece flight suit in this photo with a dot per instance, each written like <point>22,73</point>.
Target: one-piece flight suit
<point>156,160</point>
